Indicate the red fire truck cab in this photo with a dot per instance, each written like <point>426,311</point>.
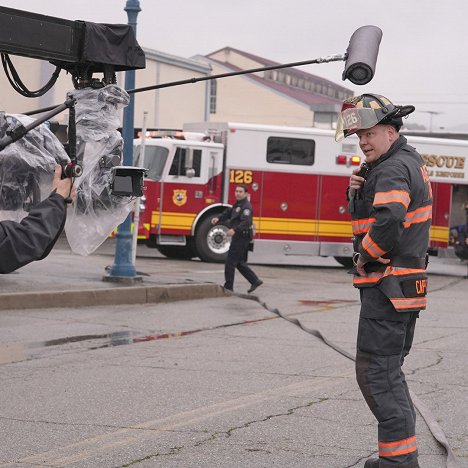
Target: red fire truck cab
<point>297,180</point>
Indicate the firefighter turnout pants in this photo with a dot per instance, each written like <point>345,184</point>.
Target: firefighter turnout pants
<point>384,340</point>
<point>237,258</point>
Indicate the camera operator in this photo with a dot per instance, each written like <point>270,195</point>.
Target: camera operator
<point>34,237</point>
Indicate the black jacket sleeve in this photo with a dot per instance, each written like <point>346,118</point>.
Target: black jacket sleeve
<point>225,215</point>
<point>32,238</point>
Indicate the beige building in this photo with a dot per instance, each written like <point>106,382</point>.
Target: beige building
<point>282,97</point>
<point>171,107</point>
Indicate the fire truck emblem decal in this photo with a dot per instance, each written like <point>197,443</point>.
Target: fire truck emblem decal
<point>179,197</point>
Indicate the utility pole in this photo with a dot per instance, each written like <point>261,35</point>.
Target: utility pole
<point>431,115</point>
<point>123,269</point>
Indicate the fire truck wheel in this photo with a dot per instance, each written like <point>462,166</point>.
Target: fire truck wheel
<point>347,262</point>
<point>211,242</point>
<point>181,252</point>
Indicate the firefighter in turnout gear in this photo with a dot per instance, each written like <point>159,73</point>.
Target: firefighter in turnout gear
<point>390,202</point>
<point>238,219</point>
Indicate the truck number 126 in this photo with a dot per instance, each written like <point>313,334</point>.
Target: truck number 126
<point>240,177</point>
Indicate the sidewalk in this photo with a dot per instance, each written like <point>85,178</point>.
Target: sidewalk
<point>67,280</point>
<point>64,279</point>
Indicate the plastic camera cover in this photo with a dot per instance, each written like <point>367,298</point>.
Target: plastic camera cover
<point>26,167</point>
<point>97,212</point>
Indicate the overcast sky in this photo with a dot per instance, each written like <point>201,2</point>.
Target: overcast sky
<point>423,58</point>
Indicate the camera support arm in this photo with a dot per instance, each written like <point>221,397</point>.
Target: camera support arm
<point>329,58</point>
<point>360,58</point>
<point>71,169</point>
<point>21,130</point>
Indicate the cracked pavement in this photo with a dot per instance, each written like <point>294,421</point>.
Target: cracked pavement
<point>218,382</point>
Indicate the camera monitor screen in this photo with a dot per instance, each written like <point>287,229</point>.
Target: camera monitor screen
<point>123,184</point>
<point>127,181</point>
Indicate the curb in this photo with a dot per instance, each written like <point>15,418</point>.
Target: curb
<point>109,296</point>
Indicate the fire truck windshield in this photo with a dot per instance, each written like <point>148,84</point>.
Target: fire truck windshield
<point>155,160</point>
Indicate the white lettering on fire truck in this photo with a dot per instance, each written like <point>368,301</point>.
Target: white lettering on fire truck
<point>436,161</point>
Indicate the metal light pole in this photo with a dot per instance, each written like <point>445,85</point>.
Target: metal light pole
<point>432,113</point>
<point>431,116</point>
<point>123,269</point>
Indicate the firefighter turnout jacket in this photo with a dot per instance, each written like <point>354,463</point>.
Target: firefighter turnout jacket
<point>33,238</point>
<point>391,217</point>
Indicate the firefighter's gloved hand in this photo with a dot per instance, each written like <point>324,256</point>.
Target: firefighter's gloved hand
<point>360,264</point>
<point>355,182</point>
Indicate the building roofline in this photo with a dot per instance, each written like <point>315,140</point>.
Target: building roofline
<point>294,71</point>
<point>189,64</point>
<point>301,96</point>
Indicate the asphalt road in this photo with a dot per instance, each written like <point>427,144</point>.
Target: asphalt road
<point>219,382</point>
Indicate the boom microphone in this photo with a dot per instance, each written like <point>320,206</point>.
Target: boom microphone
<point>361,55</point>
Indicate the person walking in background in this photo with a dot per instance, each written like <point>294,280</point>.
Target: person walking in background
<point>238,219</point>
<point>390,203</point>
<point>459,234</point>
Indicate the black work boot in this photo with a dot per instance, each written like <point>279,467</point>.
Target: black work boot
<point>372,463</point>
<point>254,286</point>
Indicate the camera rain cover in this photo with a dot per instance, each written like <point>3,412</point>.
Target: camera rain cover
<point>97,211</point>
<point>26,167</point>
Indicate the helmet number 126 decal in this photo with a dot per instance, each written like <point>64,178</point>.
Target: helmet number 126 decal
<point>351,118</point>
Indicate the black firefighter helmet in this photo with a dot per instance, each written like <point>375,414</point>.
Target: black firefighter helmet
<point>367,110</point>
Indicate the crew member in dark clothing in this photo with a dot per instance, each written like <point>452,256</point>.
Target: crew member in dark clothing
<point>33,238</point>
<point>238,219</point>
<point>391,211</point>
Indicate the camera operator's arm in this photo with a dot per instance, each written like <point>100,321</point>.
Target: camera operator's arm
<point>63,187</point>
<point>33,238</point>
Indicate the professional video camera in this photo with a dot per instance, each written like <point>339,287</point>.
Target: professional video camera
<point>26,167</point>
<point>105,190</point>
<point>29,151</point>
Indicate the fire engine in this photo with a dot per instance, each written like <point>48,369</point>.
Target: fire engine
<point>297,180</point>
